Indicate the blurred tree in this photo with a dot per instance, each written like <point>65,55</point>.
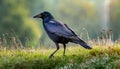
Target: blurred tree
<point>14,16</point>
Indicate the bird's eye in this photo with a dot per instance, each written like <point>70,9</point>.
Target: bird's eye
<point>41,13</point>
<point>45,15</point>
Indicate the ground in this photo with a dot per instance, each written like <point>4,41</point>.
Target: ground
<point>100,57</point>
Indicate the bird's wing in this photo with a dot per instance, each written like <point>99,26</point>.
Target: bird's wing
<point>70,29</point>
<point>59,29</point>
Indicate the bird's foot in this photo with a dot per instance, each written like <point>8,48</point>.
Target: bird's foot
<point>64,55</point>
<point>51,56</point>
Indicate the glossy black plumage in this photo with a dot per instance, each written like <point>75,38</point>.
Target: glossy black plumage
<point>59,32</point>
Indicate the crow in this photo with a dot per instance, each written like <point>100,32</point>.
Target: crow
<point>59,32</point>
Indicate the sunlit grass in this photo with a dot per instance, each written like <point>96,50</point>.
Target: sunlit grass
<point>76,58</point>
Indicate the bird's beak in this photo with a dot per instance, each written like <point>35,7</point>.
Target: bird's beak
<point>37,16</point>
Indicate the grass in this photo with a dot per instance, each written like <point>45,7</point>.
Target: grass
<point>104,55</point>
<point>101,57</point>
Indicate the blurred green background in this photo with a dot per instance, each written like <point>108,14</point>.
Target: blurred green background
<point>92,16</point>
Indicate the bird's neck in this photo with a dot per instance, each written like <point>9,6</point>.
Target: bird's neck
<point>47,19</point>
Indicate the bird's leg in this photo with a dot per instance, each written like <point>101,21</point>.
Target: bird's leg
<point>64,49</point>
<point>57,45</point>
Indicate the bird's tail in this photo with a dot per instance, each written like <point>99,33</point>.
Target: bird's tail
<point>81,42</point>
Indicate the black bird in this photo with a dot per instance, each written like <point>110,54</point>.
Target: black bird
<point>59,32</point>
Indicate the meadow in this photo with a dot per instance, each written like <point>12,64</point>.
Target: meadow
<point>100,57</point>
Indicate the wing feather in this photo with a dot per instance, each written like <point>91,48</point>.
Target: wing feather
<point>59,29</point>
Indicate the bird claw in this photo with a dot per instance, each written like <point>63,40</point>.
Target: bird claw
<point>51,56</point>
<point>64,56</point>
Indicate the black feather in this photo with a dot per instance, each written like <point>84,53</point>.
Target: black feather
<point>59,32</point>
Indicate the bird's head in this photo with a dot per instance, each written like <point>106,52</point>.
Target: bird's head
<point>43,15</point>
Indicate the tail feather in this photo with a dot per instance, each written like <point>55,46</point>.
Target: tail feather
<point>81,42</point>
